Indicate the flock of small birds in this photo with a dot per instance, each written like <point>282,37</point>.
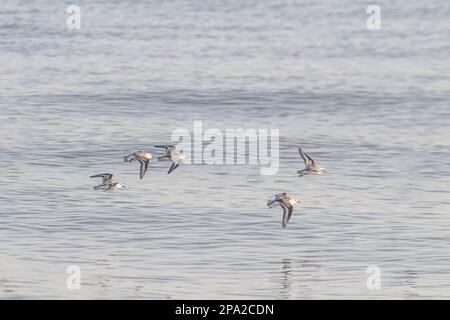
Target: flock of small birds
<point>287,202</point>
<point>177,157</point>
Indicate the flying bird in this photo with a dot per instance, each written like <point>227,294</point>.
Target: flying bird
<point>107,182</point>
<point>144,159</point>
<point>286,202</point>
<point>176,156</point>
<point>310,164</point>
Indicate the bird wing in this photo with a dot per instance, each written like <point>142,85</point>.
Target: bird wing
<point>105,176</point>
<point>287,212</point>
<point>166,146</point>
<point>143,169</point>
<point>173,167</point>
<point>306,158</point>
<point>311,160</point>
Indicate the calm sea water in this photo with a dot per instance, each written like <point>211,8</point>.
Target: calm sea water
<point>371,106</point>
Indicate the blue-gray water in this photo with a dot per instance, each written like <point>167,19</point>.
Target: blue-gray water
<point>371,106</point>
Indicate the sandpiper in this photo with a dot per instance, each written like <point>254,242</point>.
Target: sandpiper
<point>144,159</point>
<point>311,166</point>
<point>286,202</point>
<point>107,182</point>
<point>176,156</point>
